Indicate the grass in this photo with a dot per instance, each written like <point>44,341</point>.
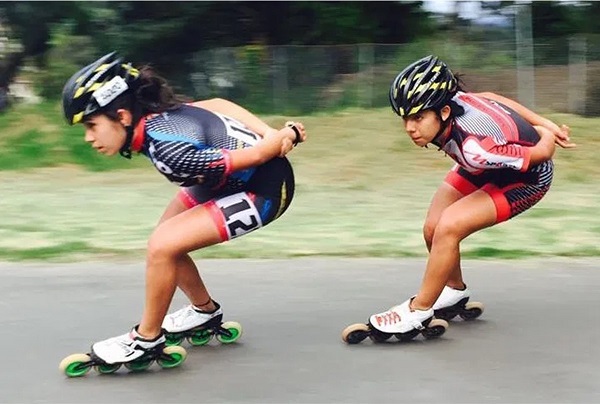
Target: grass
<point>362,190</point>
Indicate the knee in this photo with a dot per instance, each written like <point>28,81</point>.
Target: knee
<point>158,249</point>
<point>447,230</point>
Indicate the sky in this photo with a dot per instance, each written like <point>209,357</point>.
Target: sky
<point>470,10</point>
<point>467,9</point>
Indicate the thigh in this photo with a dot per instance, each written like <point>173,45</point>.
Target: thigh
<point>458,183</point>
<point>233,213</point>
<point>471,213</point>
<point>180,232</point>
<point>464,181</point>
<point>243,212</point>
<point>220,219</point>
<point>445,196</point>
<point>521,192</point>
<point>175,207</point>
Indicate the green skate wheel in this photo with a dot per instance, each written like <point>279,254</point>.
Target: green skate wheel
<point>173,356</point>
<point>234,328</point>
<point>107,369</point>
<point>173,339</point>
<point>139,364</point>
<point>75,365</point>
<point>199,338</point>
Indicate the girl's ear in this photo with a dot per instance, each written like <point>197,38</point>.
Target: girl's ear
<point>445,112</point>
<point>124,116</point>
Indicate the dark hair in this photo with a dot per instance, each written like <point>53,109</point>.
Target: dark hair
<point>150,94</point>
<point>457,110</point>
<point>460,81</point>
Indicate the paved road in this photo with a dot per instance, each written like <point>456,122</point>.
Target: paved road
<point>536,342</point>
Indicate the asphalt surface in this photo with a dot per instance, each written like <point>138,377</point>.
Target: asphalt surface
<point>538,340</point>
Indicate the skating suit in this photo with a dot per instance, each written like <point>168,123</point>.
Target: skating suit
<point>191,147</point>
<point>489,143</point>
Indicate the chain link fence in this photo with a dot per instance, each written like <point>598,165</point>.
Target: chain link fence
<point>559,76</point>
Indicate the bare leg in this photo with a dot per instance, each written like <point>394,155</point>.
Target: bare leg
<point>172,239</point>
<point>188,276</point>
<point>461,219</point>
<point>445,196</point>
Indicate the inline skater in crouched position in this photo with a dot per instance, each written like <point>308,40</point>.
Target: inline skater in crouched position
<point>231,168</point>
<point>503,154</point>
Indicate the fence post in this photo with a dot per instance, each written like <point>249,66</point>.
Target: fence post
<point>366,58</point>
<point>577,74</point>
<point>524,51</point>
<point>280,79</point>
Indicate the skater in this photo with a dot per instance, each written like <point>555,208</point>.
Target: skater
<point>231,168</point>
<point>503,154</point>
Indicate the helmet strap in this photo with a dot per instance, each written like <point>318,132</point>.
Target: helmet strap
<point>125,150</point>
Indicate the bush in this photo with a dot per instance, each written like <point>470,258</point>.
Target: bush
<point>68,54</point>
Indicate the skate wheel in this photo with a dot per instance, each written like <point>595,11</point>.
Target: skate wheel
<point>172,339</point>
<point>75,365</point>
<point>139,364</point>
<point>355,333</point>
<point>199,338</point>
<point>445,315</point>
<point>472,311</point>
<point>172,356</point>
<point>436,328</point>
<point>107,369</point>
<point>407,336</point>
<point>378,336</point>
<point>234,328</point>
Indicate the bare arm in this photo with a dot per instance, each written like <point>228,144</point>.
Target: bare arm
<point>561,133</point>
<point>544,149</point>
<point>277,144</point>
<point>237,112</point>
<point>274,143</point>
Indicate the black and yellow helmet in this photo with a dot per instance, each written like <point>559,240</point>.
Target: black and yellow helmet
<point>97,85</point>
<point>425,84</point>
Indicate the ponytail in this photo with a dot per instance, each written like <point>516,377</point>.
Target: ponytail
<point>150,94</point>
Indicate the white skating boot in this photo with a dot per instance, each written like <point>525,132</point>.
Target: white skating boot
<point>454,302</point>
<point>399,321</point>
<point>127,348</point>
<point>199,326</point>
<point>131,349</point>
<point>190,317</point>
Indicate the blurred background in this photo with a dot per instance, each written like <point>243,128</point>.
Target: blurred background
<point>303,57</point>
<point>327,63</point>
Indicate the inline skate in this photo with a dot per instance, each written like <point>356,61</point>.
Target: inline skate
<point>454,302</point>
<point>130,350</point>
<point>399,322</point>
<point>198,327</point>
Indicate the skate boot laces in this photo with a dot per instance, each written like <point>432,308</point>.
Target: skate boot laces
<point>124,347</point>
<point>389,317</point>
<point>182,315</point>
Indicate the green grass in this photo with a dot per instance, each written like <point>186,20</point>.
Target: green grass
<point>362,190</point>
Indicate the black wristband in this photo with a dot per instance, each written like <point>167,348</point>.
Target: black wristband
<point>297,132</point>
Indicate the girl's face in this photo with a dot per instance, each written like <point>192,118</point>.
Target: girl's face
<point>105,135</point>
<point>423,126</point>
